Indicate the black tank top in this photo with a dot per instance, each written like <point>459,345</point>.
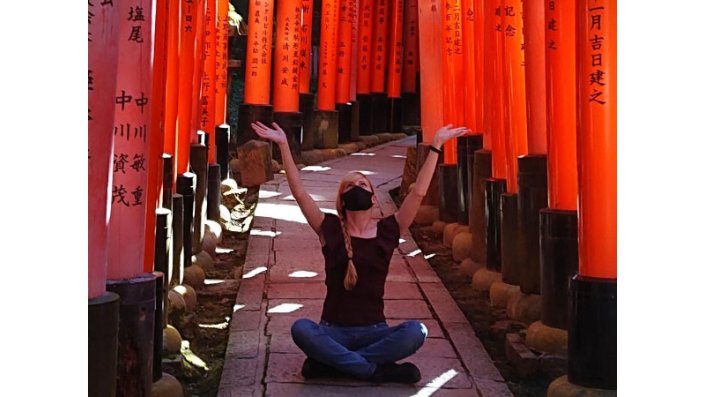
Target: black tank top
<point>364,304</point>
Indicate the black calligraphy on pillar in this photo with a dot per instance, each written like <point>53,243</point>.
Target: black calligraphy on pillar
<point>119,161</point>
<point>127,131</point>
<point>551,27</point>
<point>596,75</point>
<point>137,196</point>
<point>119,194</point>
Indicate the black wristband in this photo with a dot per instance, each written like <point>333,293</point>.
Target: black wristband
<point>434,149</point>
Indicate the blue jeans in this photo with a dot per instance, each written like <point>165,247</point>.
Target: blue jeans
<point>357,350</point>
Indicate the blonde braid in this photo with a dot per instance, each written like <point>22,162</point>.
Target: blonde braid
<point>351,272</point>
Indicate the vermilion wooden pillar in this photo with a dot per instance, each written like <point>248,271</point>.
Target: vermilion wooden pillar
<point>198,68</point>
<point>482,159</point>
<point>103,307</point>
<point>132,106</point>
<point>258,67</point>
<point>380,44</point>
<point>306,98</point>
<point>394,63</point>
<point>187,37</point>
<point>343,69</point>
<point>559,222</point>
<point>171,90</point>
<point>286,76</point>
<point>355,106</point>
<point>206,103</point>
<point>467,145</point>
<point>515,89</point>
<point>592,334</point>
<point>326,117</point>
<point>155,140</point>
<point>409,89</point>
<point>430,63</point>
<point>221,54</point>
<point>497,112</point>
<point>364,65</point>
<point>453,105</point>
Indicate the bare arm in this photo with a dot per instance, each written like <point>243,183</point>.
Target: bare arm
<point>407,212</point>
<point>311,212</point>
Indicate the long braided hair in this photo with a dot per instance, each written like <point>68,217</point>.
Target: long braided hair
<point>351,273</point>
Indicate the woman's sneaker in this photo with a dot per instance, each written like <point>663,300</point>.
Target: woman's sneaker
<point>392,372</point>
<point>316,369</point>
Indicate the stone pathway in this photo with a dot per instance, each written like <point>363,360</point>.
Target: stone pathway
<point>283,279</point>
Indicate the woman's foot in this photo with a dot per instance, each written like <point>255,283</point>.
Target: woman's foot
<point>392,372</point>
<point>316,369</point>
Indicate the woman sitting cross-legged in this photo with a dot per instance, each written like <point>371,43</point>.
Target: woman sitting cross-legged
<point>352,338</point>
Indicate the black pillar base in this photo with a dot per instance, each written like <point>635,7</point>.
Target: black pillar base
<point>354,121</point>
<point>494,188</point>
<point>292,124</point>
<point>473,143</point>
<point>306,108</point>
<point>462,182</point>
<point>135,334</point>
<point>162,242</point>
<point>222,151</point>
<point>533,196</point>
<point>559,263</point>
<point>344,121</point>
<point>159,323</point>
<point>186,186</point>
<point>176,273</point>
<point>167,180</point>
<point>248,114</point>
<point>325,129</point>
<point>378,111</point>
<point>482,170</point>
<point>199,166</point>
<point>411,109</point>
<point>213,196</point>
<point>365,120</point>
<point>448,188</point>
<point>592,334</point>
<point>103,320</point>
<point>511,265</point>
<point>396,107</point>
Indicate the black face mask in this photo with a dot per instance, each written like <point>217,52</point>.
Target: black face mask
<point>357,199</point>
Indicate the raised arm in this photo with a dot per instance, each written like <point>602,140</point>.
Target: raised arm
<point>311,212</point>
<point>407,212</point>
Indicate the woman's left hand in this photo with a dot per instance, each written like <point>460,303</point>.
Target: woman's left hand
<point>446,133</point>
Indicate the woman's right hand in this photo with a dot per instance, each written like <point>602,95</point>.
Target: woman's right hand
<point>275,134</point>
<point>446,133</point>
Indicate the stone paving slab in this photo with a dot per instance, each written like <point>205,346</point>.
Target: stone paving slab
<point>296,290</point>
<point>283,280</point>
<point>401,290</point>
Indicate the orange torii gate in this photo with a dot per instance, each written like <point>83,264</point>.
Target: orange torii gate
<point>592,333</point>
<point>394,66</point>
<point>410,69</point>
<point>306,98</point>
<point>346,18</point>
<point>326,118</point>
<point>558,222</point>
<point>286,76</point>
<point>126,277</point>
<point>103,306</point>
<point>378,53</point>
<point>256,105</point>
<point>364,65</point>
